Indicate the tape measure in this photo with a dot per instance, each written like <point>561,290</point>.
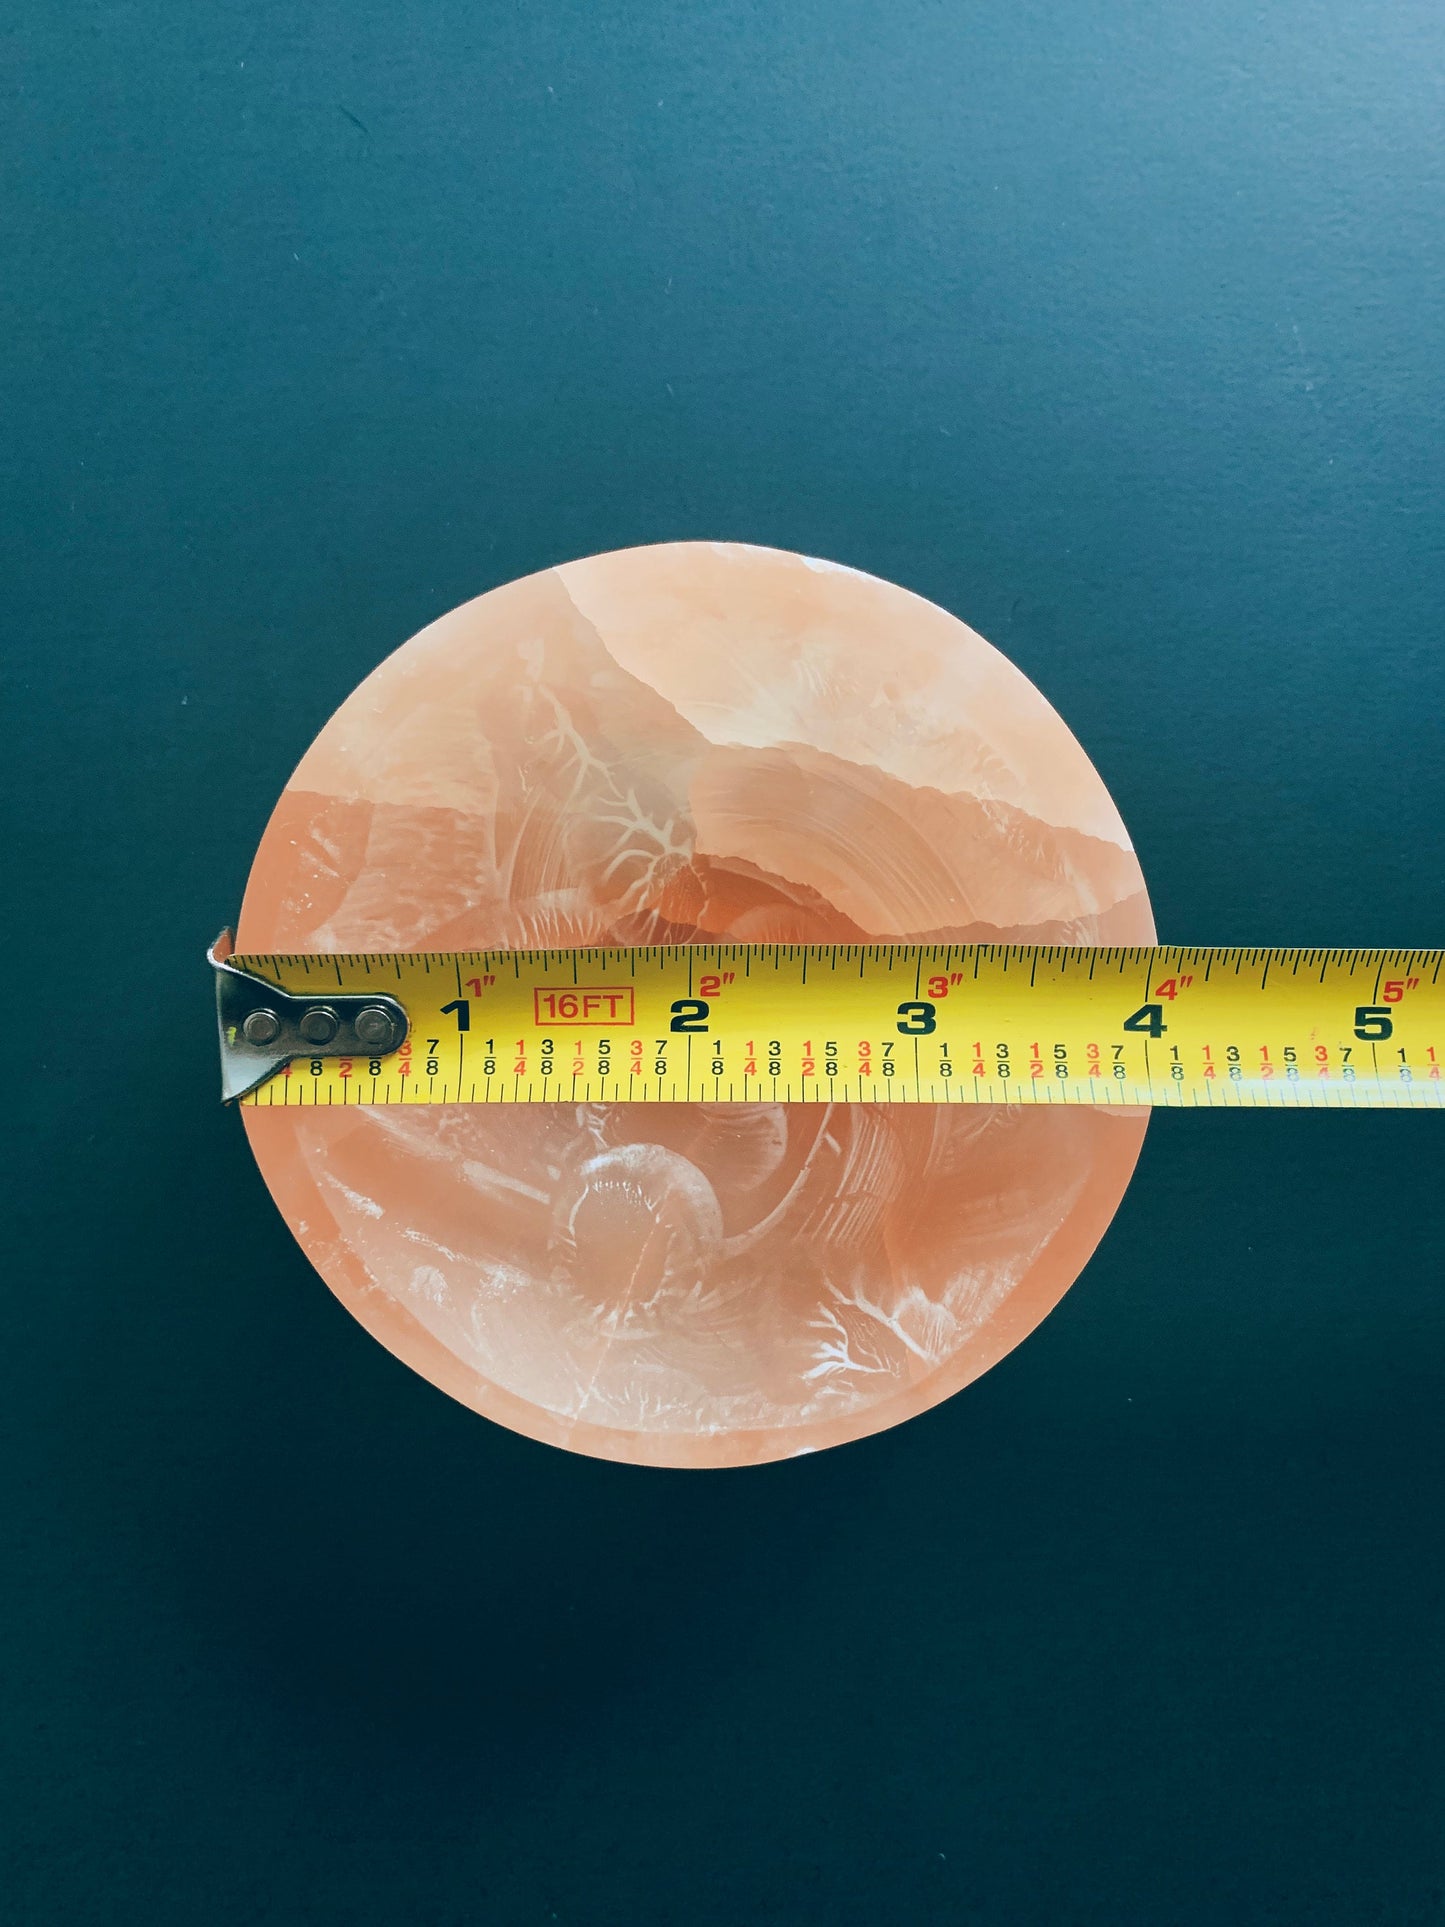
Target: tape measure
<point>845,1023</point>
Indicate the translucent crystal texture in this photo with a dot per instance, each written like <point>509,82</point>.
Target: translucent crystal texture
<point>679,744</point>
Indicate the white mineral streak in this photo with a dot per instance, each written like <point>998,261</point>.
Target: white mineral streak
<point>691,744</point>
<point>344,1198</point>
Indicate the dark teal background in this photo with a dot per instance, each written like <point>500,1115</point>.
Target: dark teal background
<point>1120,331</point>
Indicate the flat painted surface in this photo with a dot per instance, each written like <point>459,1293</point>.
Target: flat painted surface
<point>1120,334</point>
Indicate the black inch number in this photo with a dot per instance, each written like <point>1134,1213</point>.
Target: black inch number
<point>461,1008</point>
<point>1373,1023</point>
<point>922,1020</point>
<point>689,1014</point>
<point>1148,1018</point>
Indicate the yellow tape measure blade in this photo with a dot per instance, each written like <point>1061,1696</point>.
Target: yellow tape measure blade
<point>856,1023</point>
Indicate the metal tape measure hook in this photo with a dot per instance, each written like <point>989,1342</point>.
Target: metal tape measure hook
<point>262,1027</point>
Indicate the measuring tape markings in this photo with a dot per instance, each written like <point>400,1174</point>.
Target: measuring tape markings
<point>880,1023</point>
